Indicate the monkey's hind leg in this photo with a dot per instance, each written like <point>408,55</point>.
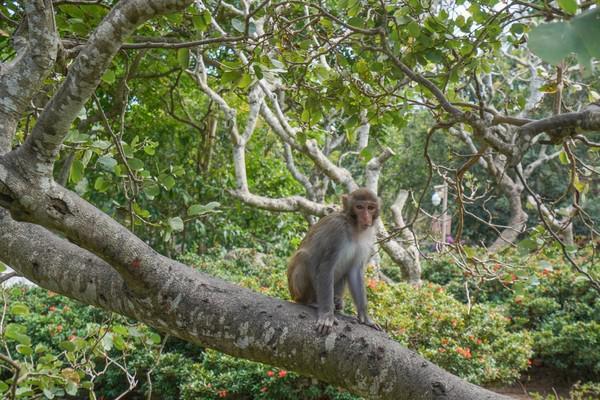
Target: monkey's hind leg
<point>338,294</point>
<point>300,285</point>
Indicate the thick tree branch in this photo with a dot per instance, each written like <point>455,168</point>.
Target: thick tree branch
<point>560,126</point>
<point>213,313</point>
<point>84,76</point>
<point>21,78</point>
<point>408,237</point>
<point>299,176</point>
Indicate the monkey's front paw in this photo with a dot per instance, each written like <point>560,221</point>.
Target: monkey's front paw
<point>325,323</point>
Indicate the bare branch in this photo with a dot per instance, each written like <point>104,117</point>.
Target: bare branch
<point>373,168</point>
<point>287,204</point>
<point>7,276</point>
<point>299,176</point>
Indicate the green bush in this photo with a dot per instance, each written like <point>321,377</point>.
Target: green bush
<point>220,376</point>
<point>579,391</point>
<point>67,347</point>
<point>541,294</point>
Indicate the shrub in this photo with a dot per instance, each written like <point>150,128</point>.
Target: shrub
<point>545,296</point>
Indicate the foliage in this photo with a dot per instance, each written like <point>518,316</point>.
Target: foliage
<point>555,41</point>
<point>541,294</point>
<point>63,348</point>
<point>580,391</point>
<point>220,376</point>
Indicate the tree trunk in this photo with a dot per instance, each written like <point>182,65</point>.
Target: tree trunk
<point>517,222</point>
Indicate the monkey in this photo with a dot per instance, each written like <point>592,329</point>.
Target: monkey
<point>333,255</point>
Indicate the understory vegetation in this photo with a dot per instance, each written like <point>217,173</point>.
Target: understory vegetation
<point>540,315</point>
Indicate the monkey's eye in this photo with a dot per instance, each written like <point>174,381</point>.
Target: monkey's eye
<point>371,208</point>
<point>360,207</point>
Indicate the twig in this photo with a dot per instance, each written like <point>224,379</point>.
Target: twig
<point>17,369</point>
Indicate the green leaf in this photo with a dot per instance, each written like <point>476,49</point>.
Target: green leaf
<point>199,23</point>
<point>87,385</point>
<point>176,224</point>
<point>150,150</point>
<point>354,7</point>
<point>517,28</point>
<point>199,209</point>
<point>17,333</point>
<point>563,158</point>
<point>119,342</point>
<point>135,164</point>
<point>67,345</point>
<point>3,387</point>
<point>569,6</point>
<point>19,309</point>
<point>151,190</point>
<point>578,185</point>
<point>24,349</point>
<point>72,11</point>
<point>107,163</point>
<point>183,57</point>
<point>230,76</point>
<point>167,181</point>
<point>120,329</point>
<point>552,42</point>
<point>109,77</point>
<point>71,388</point>
<point>367,154</point>
<point>587,27</point>
<point>101,144</point>
<point>244,81</point>
<point>154,338</point>
<point>76,172</point>
<point>140,211</point>
<point>414,29</point>
<point>527,245</point>
<point>101,184</point>
<point>107,341</point>
<point>258,71</point>
<point>40,348</point>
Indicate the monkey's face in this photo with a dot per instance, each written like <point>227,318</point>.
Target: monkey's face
<point>365,212</point>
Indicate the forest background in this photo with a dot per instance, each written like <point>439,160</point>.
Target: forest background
<point>218,132</point>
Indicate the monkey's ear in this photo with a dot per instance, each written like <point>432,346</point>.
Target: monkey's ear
<point>345,202</point>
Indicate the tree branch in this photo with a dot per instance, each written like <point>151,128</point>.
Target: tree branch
<point>22,77</point>
<point>44,143</point>
<point>212,313</point>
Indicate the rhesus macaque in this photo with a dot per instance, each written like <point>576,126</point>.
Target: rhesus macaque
<point>332,255</point>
